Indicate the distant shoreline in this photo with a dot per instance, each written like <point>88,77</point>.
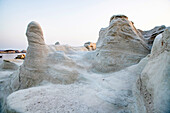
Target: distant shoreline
<point>9,56</point>
<point>10,51</point>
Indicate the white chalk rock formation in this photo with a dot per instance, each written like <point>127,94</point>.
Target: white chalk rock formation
<point>154,81</point>
<point>42,65</point>
<point>119,45</point>
<point>93,93</point>
<point>109,79</point>
<point>9,65</point>
<point>9,80</point>
<point>33,69</point>
<point>47,63</point>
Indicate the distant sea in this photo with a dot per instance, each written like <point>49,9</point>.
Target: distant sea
<point>9,56</point>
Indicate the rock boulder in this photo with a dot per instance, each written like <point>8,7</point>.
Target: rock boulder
<point>57,43</point>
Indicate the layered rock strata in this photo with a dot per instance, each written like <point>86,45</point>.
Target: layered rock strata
<point>119,45</point>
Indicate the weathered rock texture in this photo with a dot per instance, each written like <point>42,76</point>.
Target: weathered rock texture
<point>109,79</point>
<point>119,45</point>
<point>46,63</point>
<point>9,80</point>
<point>93,93</point>
<point>151,34</point>
<point>154,81</point>
<point>33,69</point>
<point>8,65</point>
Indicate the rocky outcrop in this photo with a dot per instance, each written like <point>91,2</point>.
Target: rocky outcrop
<point>46,63</point>
<point>119,76</point>
<point>43,65</point>
<point>153,83</point>
<point>22,56</point>
<point>57,43</point>
<point>8,65</point>
<point>119,45</point>
<point>9,81</point>
<point>90,46</point>
<point>23,51</point>
<point>118,16</point>
<point>33,69</point>
<point>151,34</point>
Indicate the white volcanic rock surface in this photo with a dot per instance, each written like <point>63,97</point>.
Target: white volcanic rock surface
<point>154,82</point>
<point>119,76</point>
<point>91,94</point>
<point>119,45</point>
<point>9,65</point>
<point>49,63</point>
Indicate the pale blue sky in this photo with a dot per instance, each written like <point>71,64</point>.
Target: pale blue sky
<point>74,22</point>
